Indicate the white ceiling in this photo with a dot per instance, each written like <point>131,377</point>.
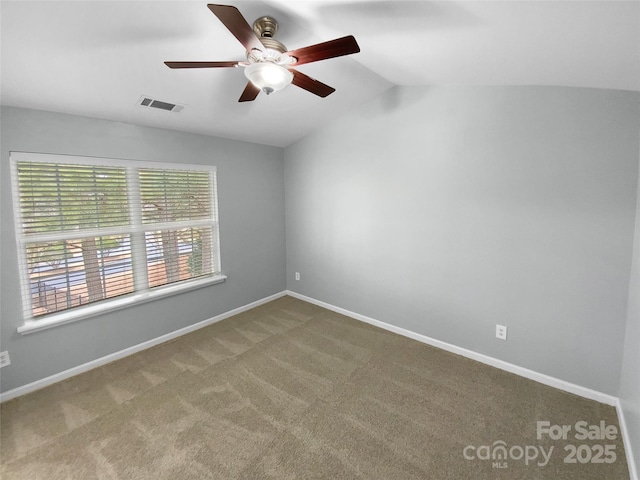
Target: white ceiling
<point>96,58</point>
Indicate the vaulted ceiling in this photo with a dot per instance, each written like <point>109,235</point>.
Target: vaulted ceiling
<point>96,58</point>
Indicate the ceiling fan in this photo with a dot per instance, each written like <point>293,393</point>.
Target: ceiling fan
<point>269,65</point>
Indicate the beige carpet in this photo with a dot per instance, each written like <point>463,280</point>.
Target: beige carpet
<point>292,391</point>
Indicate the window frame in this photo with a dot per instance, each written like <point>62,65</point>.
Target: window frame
<point>142,293</point>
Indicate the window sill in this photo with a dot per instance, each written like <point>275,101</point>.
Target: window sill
<point>108,306</point>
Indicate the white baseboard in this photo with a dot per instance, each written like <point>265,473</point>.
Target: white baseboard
<point>494,362</point>
<point>44,382</point>
<point>631,458</point>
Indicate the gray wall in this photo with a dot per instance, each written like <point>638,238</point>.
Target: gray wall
<point>447,211</point>
<point>630,378</point>
<point>251,201</point>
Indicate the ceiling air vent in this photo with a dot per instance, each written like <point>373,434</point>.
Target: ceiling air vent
<point>145,101</point>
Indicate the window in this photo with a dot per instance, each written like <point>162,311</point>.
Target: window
<point>93,233</point>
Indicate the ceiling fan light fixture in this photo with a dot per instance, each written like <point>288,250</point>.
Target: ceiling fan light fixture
<point>268,76</point>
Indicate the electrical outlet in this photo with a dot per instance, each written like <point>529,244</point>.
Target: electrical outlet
<point>4,359</point>
<point>501,332</point>
<point>298,276</point>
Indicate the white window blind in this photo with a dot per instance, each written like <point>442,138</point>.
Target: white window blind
<point>90,230</point>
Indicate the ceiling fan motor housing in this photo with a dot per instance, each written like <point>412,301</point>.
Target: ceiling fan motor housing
<point>266,28</point>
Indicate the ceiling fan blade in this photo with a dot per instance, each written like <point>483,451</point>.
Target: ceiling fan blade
<point>250,93</point>
<point>201,64</point>
<point>311,84</point>
<point>232,19</point>
<point>321,51</point>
